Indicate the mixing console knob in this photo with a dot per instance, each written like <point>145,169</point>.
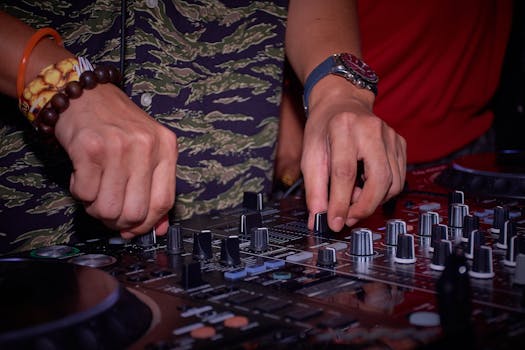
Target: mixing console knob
<point>455,197</point>
<point>253,201</point>
<point>519,274</point>
<point>442,251</point>
<point>175,244</point>
<point>476,239</point>
<point>470,223</point>
<point>516,246</point>
<point>249,222</point>
<point>501,214</point>
<point>321,223</point>
<point>482,263</point>
<point>230,254</point>
<point>405,253</point>
<point>453,298</point>
<point>394,227</point>
<point>509,231</point>
<point>439,232</point>
<point>146,240</point>
<point>202,245</point>
<point>326,257</point>
<point>426,221</point>
<point>259,241</point>
<point>362,244</point>
<point>455,220</point>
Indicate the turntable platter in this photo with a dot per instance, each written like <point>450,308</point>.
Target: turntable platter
<point>500,174</point>
<point>66,305</point>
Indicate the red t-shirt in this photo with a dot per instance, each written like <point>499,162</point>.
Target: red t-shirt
<point>439,63</point>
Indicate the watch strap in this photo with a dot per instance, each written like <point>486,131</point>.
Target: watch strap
<point>317,74</point>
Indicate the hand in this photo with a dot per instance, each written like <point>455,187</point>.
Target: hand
<point>340,131</point>
<point>124,162</point>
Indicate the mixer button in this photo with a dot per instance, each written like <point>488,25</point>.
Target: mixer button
<point>470,223</point>
<point>516,246</point>
<point>455,220</point>
<point>482,266</point>
<point>476,239</point>
<point>393,228</point>
<point>426,221</point>
<point>505,235</point>
<point>300,257</point>
<point>146,240</point>
<point>202,245</point>
<point>500,215</point>
<point>230,253</point>
<point>175,244</point>
<point>253,201</point>
<point>236,322</point>
<point>405,253</point>
<point>321,223</point>
<point>249,222</point>
<point>442,250</point>
<point>191,275</point>
<point>439,232</point>
<point>204,332</point>
<point>259,239</point>
<point>326,257</point>
<point>362,244</point>
<point>236,274</point>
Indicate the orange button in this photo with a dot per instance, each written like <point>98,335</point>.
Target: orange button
<point>236,322</point>
<point>203,332</point>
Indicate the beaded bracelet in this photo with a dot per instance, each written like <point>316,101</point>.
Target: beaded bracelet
<point>49,93</point>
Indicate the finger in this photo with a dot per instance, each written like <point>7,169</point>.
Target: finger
<point>314,166</point>
<point>378,181</point>
<point>162,197</point>
<point>110,198</point>
<point>343,169</point>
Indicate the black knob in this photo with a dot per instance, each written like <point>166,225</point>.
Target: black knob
<point>321,223</point>
<point>455,197</point>
<point>482,266</point>
<point>405,253</point>
<point>427,219</point>
<point>475,240</point>
<point>146,240</point>
<point>191,276</point>
<point>249,222</point>
<point>454,300</point>
<point>501,214</point>
<point>175,243</point>
<point>470,223</point>
<point>439,232</point>
<point>230,253</point>
<point>442,251</point>
<point>202,245</point>
<point>516,246</point>
<point>394,227</point>
<point>253,201</point>
<point>362,244</point>
<point>326,257</point>
<point>509,231</point>
<point>259,239</point>
<point>455,220</point>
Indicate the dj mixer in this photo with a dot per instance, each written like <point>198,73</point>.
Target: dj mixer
<point>442,264</point>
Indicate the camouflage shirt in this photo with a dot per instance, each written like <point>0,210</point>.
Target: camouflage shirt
<point>209,70</point>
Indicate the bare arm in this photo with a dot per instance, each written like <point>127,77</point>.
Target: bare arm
<point>341,127</point>
<point>123,160</point>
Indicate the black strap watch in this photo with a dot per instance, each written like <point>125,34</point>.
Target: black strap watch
<point>345,65</point>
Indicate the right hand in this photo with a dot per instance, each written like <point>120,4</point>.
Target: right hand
<point>124,162</point>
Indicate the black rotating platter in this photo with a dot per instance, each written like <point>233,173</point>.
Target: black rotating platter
<point>500,174</point>
<point>58,305</point>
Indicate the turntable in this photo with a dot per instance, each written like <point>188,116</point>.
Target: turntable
<point>500,174</point>
<point>57,305</point>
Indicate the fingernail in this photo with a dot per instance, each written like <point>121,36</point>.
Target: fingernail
<point>351,221</point>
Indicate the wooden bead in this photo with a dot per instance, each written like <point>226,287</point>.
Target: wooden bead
<point>45,129</point>
<point>102,74</point>
<point>48,116</point>
<point>73,89</point>
<point>60,102</point>
<point>88,80</point>
<point>114,75</point>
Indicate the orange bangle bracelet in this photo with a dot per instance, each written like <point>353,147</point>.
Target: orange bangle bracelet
<point>33,41</point>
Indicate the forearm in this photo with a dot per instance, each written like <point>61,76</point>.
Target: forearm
<point>317,29</point>
<point>14,35</point>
